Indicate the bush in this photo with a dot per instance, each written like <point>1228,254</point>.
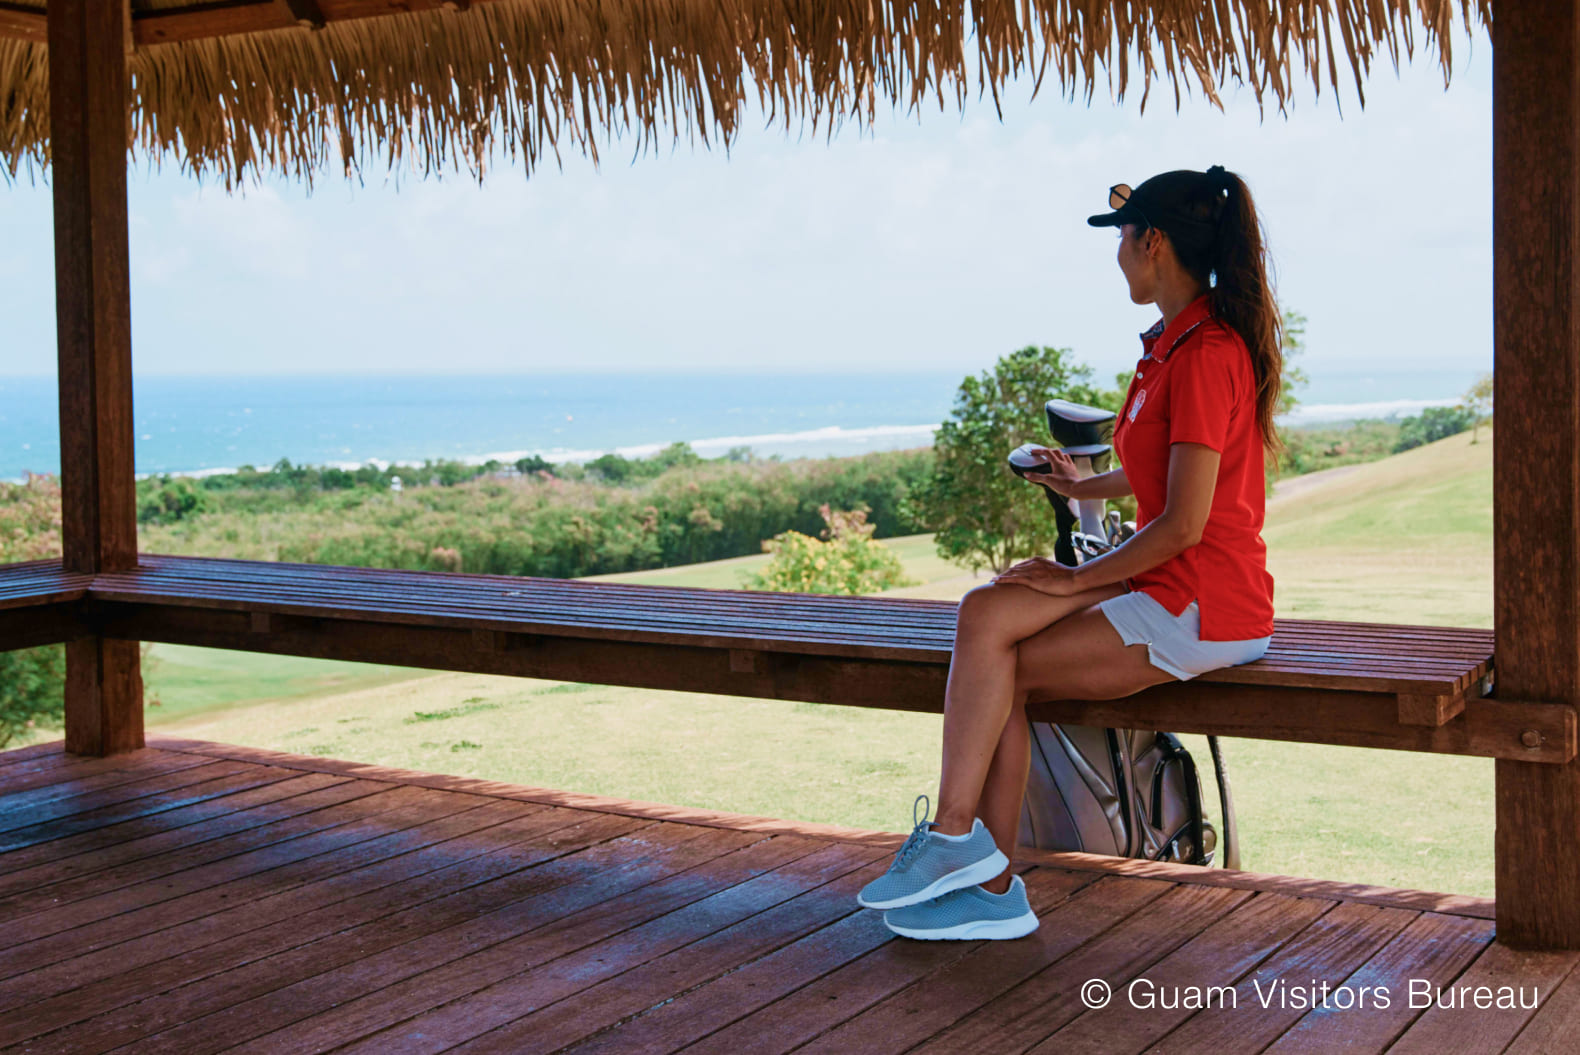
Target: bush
<point>1433,424</point>
<point>163,500</point>
<point>32,680</point>
<point>846,560</point>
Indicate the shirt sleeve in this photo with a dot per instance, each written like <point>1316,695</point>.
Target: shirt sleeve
<point>1201,395</point>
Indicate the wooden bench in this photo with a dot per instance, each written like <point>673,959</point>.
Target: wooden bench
<point>1418,688</point>
<point>40,604</point>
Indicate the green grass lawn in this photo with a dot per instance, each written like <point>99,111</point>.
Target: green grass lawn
<point>1405,539</point>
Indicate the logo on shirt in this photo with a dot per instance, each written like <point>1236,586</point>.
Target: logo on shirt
<point>1141,397</point>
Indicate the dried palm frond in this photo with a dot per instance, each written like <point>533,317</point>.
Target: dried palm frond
<point>448,90</point>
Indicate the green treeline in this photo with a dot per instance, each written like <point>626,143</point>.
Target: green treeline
<point>562,522</point>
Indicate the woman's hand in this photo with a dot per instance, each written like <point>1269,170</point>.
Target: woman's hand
<point>1062,475</point>
<point>1041,574</point>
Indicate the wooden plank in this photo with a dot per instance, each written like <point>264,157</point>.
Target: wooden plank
<point>366,995</point>
<point>1534,732</point>
<point>1531,977</point>
<point>137,864</point>
<point>1022,1015</point>
<point>894,966</point>
<point>13,755</point>
<point>313,929</point>
<point>1250,931</point>
<point>245,799</point>
<point>142,814</point>
<point>698,942</point>
<point>44,625</point>
<point>371,829</point>
<point>1429,953</point>
<point>1219,956</point>
<point>76,772</point>
<point>720,955</point>
<point>1327,951</point>
<point>58,802</point>
<point>89,779</point>
<point>691,1015</point>
<point>1556,1022</point>
<point>87,134</point>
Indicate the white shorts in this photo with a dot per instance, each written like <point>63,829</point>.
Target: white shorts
<point>1172,641</point>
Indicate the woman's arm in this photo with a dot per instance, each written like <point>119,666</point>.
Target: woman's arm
<point>1065,479</point>
<point>1193,476</point>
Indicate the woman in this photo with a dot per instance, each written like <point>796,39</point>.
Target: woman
<point>1188,593</point>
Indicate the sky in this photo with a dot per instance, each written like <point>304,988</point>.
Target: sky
<point>933,241</point>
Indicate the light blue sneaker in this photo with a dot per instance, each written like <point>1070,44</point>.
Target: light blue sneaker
<point>930,864</point>
<point>970,912</point>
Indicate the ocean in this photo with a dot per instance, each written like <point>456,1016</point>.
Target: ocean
<point>212,424</point>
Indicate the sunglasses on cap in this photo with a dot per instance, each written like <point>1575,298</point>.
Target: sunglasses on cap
<point>1119,196</point>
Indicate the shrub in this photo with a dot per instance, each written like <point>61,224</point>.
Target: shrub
<point>32,680</point>
<point>846,560</point>
<point>1433,424</point>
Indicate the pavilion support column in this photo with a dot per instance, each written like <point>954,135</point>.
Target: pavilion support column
<point>88,137</point>
<point>1536,486</point>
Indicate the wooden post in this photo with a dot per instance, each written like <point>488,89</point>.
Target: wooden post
<point>88,137</point>
<point>1536,492</point>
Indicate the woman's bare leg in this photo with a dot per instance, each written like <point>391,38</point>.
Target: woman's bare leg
<point>1080,657</point>
<point>991,622</point>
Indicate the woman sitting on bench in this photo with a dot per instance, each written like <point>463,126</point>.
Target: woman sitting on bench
<point>1188,593</point>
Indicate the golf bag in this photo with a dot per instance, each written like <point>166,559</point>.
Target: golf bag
<point>1123,792</point>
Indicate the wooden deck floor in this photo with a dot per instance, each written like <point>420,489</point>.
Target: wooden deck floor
<point>196,897</point>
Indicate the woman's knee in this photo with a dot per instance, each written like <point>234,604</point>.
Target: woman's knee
<point>982,608</point>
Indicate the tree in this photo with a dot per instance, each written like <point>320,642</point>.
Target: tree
<point>1294,345</point>
<point>983,515</point>
<point>1478,400</point>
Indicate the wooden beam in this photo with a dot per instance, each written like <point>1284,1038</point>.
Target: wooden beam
<point>88,134</point>
<point>306,13</point>
<point>166,26</point>
<point>23,23</point>
<point>1536,478</point>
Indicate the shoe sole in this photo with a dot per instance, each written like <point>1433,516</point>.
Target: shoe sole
<point>1018,927</point>
<point>970,875</point>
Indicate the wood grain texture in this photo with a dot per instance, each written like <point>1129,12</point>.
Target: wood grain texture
<point>301,910</point>
<point>88,135</point>
<point>1536,483</point>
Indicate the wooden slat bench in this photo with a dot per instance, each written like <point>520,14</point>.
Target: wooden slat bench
<point>39,603</point>
<point>1419,688</point>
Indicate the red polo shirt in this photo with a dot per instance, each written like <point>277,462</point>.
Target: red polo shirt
<point>1194,384</point>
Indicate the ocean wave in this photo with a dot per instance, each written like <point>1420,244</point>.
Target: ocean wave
<point>831,436</point>
<point>1387,408</point>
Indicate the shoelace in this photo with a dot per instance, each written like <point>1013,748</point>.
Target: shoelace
<point>918,837</point>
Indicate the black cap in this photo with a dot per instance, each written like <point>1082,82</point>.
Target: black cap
<point>1165,201</point>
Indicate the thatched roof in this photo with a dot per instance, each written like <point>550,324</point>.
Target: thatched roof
<point>286,86</point>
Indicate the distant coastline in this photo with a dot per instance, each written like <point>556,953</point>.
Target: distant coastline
<point>201,426</point>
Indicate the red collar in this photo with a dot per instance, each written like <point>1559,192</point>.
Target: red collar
<point>1168,337</point>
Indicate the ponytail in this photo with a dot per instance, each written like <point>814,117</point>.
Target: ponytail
<point>1218,238</point>
<point>1242,296</point>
